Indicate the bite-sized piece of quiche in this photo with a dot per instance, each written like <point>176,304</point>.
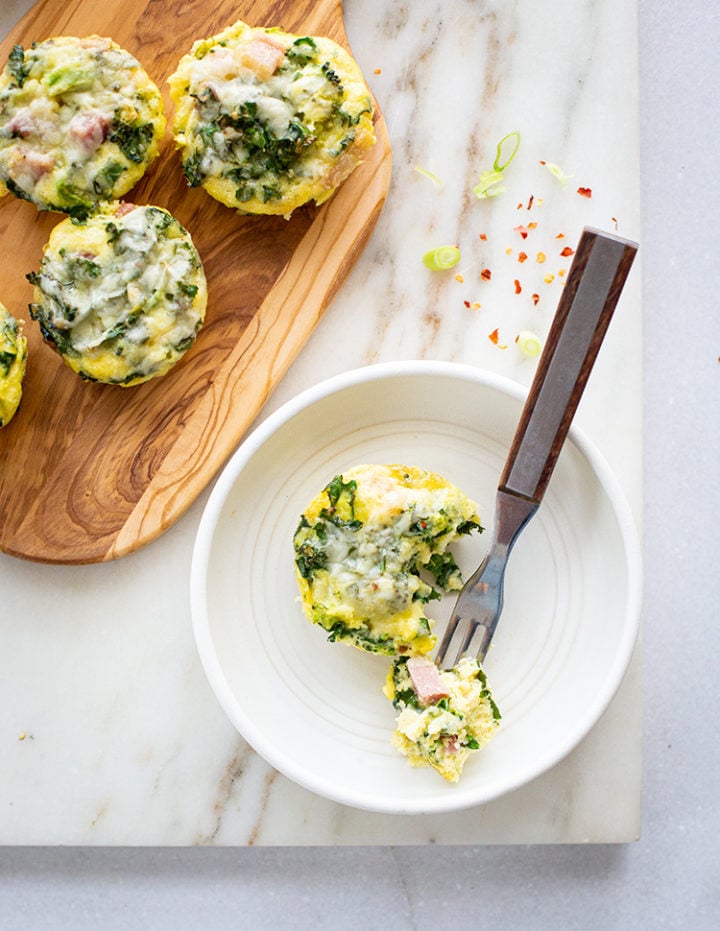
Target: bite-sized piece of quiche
<point>443,716</point>
<point>80,121</point>
<point>13,358</point>
<point>267,121</point>
<point>360,549</point>
<point>121,294</point>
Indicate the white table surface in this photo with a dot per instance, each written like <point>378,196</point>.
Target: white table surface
<point>668,877</point>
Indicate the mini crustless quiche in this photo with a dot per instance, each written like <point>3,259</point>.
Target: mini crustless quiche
<point>121,294</point>
<point>268,121</point>
<point>442,715</point>
<point>80,121</point>
<point>361,546</point>
<point>13,357</point>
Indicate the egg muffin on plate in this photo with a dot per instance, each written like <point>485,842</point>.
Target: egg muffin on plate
<point>267,121</point>
<point>120,295</point>
<point>80,121</point>
<point>361,546</point>
<point>13,358</point>
<point>444,715</point>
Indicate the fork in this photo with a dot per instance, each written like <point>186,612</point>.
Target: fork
<point>597,275</point>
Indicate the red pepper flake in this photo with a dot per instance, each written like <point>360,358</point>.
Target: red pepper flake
<point>585,192</point>
<point>535,299</point>
<point>560,236</point>
<point>467,304</point>
<point>567,251</point>
<point>486,274</point>
<point>518,286</point>
<point>541,162</point>
<point>459,278</point>
<point>522,256</point>
<point>483,236</point>
<point>530,202</point>
<point>520,206</point>
<point>532,226</point>
<point>614,219</point>
<point>522,230</point>
<point>377,71</point>
<point>494,337</point>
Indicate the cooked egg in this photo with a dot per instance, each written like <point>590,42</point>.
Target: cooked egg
<point>13,358</point>
<point>360,549</point>
<point>120,295</point>
<point>267,121</point>
<point>80,121</point>
<point>443,716</point>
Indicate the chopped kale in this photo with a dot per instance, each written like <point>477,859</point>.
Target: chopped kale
<point>405,695</point>
<point>6,360</point>
<point>17,65</point>
<point>362,636</point>
<point>192,171</point>
<point>184,344</point>
<point>309,560</point>
<point>443,567</point>
<point>17,190</point>
<point>190,290</point>
<point>301,51</point>
<point>310,553</point>
<point>132,139</point>
<point>161,219</point>
<point>105,179</point>
<point>80,267</point>
<point>468,526</point>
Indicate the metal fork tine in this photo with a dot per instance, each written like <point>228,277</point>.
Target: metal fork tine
<point>480,602</point>
<point>458,625</point>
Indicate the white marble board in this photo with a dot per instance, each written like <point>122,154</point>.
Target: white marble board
<point>109,733</point>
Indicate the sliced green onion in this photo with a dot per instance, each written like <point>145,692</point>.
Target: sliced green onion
<point>430,175</point>
<point>442,258</point>
<point>557,172</point>
<point>489,184</point>
<point>528,343</point>
<point>496,164</point>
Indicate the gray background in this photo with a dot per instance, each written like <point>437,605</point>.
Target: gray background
<point>669,879</point>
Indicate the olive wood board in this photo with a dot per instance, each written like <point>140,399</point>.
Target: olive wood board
<point>90,472</point>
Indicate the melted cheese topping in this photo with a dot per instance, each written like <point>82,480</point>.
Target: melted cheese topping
<point>120,295</point>
<point>268,121</point>
<point>443,733</point>
<point>359,549</point>
<point>13,358</point>
<point>80,121</point>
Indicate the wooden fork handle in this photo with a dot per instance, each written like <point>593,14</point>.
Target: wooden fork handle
<point>596,278</point>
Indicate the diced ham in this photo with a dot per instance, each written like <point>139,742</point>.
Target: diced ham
<point>89,128</point>
<point>95,42</point>
<point>263,56</point>
<point>451,744</point>
<point>426,681</point>
<point>22,124</point>
<point>123,209</point>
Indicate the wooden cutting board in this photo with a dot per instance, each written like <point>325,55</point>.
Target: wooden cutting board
<point>91,472</point>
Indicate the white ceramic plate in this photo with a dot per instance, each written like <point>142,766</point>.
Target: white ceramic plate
<point>315,710</point>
